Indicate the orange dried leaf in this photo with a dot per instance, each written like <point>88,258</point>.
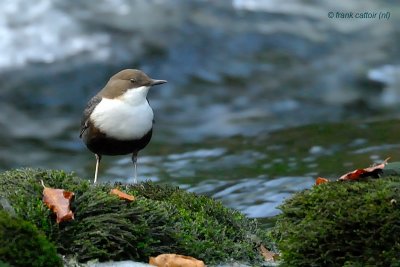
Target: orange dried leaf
<point>373,171</point>
<point>321,180</point>
<point>354,175</point>
<point>122,195</point>
<point>59,201</point>
<point>268,255</point>
<point>175,260</point>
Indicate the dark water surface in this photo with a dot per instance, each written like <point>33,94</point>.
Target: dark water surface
<point>262,96</point>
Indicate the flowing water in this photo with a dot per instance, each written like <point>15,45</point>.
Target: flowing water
<point>262,97</point>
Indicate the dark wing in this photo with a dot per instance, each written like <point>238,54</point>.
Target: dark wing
<point>86,113</point>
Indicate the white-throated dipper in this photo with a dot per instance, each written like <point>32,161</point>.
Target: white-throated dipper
<point>119,120</point>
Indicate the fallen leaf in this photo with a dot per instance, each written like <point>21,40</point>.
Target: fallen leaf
<point>321,180</point>
<point>122,195</point>
<point>378,166</point>
<point>268,255</point>
<point>175,260</point>
<point>354,175</point>
<point>59,201</point>
<point>373,171</point>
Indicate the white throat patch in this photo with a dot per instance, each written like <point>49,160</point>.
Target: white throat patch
<point>126,117</point>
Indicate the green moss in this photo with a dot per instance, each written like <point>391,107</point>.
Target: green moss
<point>24,190</point>
<point>3,264</point>
<point>106,227</point>
<point>207,229</point>
<point>21,244</point>
<point>162,219</point>
<point>342,224</point>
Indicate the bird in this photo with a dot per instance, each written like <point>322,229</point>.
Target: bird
<point>118,120</point>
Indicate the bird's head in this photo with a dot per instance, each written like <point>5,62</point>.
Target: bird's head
<point>129,84</point>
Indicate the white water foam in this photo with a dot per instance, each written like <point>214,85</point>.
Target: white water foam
<point>42,33</point>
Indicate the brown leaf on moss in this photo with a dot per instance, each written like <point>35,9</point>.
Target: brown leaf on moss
<point>373,171</point>
<point>122,195</point>
<point>175,260</point>
<point>59,201</point>
<point>321,180</point>
<point>268,255</point>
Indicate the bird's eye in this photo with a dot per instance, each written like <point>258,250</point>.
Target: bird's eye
<point>133,80</point>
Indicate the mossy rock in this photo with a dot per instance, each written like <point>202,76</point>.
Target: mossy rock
<point>162,219</point>
<point>342,224</point>
<point>21,244</point>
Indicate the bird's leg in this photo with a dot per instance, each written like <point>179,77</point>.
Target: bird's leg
<point>98,158</point>
<point>134,160</point>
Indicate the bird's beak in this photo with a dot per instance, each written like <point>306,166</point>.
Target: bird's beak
<point>156,82</point>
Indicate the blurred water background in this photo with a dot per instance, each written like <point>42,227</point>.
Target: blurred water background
<point>262,97</point>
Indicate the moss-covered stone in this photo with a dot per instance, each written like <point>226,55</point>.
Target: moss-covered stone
<point>342,224</point>
<point>4,264</point>
<point>163,219</point>
<point>21,244</point>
